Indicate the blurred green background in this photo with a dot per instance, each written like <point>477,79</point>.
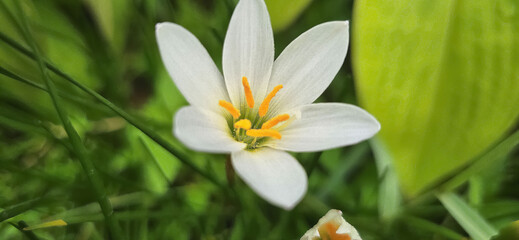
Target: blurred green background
<point>442,77</point>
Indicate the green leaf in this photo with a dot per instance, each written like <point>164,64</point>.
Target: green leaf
<point>21,225</point>
<point>509,232</point>
<point>285,12</point>
<point>390,198</point>
<point>432,227</point>
<point>58,35</point>
<point>133,121</point>
<point>440,76</point>
<point>164,168</point>
<point>339,172</point>
<point>471,221</point>
<point>483,162</point>
<point>111,18</point>
<point>20,208</point>
<point>74,138</point>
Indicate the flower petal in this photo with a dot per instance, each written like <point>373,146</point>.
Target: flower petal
<point>308,65</point>
<point>204,131</point>
<point>347,228</point>
<point>274,175</point>
<point>326,125</point>
<point>248,50</point>
<point>333,217</point>
<point>192,69</point>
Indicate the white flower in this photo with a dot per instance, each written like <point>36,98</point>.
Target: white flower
<point>332,227</point>
<point>261,107</point>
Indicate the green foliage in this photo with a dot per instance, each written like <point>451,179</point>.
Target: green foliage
<point>283,13</point>
<point>111,17</point>
<point>467,217</point>
<point>509,232</point>
<point>103,60</point>
<point>441,77</point>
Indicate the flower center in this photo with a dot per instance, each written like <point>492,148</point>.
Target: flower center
<point>252,128</point>
<point>328,231</point>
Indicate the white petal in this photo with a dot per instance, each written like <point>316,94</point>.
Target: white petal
<point>347,228</point>
<point>311,234</point>
<point>190,66</point>
<point>334,217</point>
<point>248,50</point>
<point>204,131</point>
<point>274,175</point>
<point>326,125</point>
<point>308,65</point>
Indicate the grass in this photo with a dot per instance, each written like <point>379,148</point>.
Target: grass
<point>85,127</point>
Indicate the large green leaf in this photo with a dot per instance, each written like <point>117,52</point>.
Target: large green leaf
<point>442,77</point>
<point>509,232</point>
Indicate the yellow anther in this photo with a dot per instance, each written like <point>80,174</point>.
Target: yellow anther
<point>230,108</point>
<point>243,124</point>
<point>263,133</point>
<point>264,107</point>
<point>274,121</point>
<point>248,92</point>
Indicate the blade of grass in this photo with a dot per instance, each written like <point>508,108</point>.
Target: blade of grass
<point>34,174</point>
<point>97,217</point>
<point>500,209</point>
<point>55,223</point>
<point>350,160</point>
<point>121,201</point>
<point>29,234</point>
<point>432,227</point>
<point>471,221</point>
<point>498,151</point>
<point>79,148</point>
<point>130,119</point>
<point>155,160</point>
<point>40,129</point>
<point>20,208</point>
<point>21,126</point>
<point>11,75</point>
<point>390,199</point>
<point>65,95</point>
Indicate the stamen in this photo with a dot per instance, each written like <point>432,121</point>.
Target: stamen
<point>263,133</point>
<point>230,108</point>
<point>274,121</point>
<point>243,124</point>
<point>264,107</point>
<point>248,92</point>
<point>329,231</point>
